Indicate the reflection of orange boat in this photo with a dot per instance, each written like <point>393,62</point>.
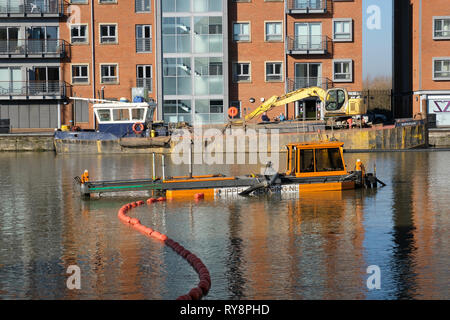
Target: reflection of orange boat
<point>311,167</point>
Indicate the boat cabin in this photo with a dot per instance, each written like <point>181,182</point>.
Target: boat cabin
<point>119,118</point>
<point>313,159</point>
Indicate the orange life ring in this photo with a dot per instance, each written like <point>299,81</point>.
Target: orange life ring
<point>141,128</point>
<point>232,111</point>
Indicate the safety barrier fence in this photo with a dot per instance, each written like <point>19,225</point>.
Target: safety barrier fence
<point>204,283</point>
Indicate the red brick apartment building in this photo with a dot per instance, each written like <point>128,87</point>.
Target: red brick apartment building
<point>112,50</point>
<point>422,59</point>
<point>195,57</point>
<point>431,59</point>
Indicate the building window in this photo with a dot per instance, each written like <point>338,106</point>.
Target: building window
<point>107,1</point>
<point>176,34</point>
<point>208,78</point>
<point>80,74</point>
<point>144,77</point>
<point>108,33</point>
<point>79,1</point>
<point>177,76</point>
<point>208,34</point>
<point>307,75</point>
<point>242,72</point>
<point>241,31</point>
<point>273,31</point>
<point>142,6</point>
<point>237,105</point>
<point>109,73</point>
<point>342,71</point>
<point>441,68</point>
<point>176,6</point>
<point>274,71</point>
<point>78,34</point>
<point>143,38</point>
<point>342,30</point>
<point>441,28</point>
<point>308,36</point>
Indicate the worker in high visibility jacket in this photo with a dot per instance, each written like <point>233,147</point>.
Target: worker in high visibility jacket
<point>85,176</point>
<point>359,167</point>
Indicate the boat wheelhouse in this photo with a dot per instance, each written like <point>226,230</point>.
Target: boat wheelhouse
<point>119,118</point>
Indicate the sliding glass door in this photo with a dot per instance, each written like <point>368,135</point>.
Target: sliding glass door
<point>308,36</point>
<point>11,81</point>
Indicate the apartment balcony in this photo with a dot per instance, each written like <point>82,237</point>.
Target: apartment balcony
<point>308,45</point>
<point>305,82</point>
<point>37,90</point>
<point>31,48</point>
<point>31,8</point>
<point>306,6</point>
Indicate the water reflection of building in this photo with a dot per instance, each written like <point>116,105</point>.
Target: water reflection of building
<point>307,248</point>
<point>417,244</point>
<point>329,241</point>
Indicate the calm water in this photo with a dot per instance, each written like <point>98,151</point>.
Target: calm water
<point>315,247</point>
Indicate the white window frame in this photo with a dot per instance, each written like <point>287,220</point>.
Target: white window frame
<point>435,37</point>
<point>351,70</point>
<point>78,25</point>
<point>266,74</point>
<point>236,74</point>
<point>266,34</point>
<point>441,59</point>
<point>342,20</point>
<point>79,1</point>
<point>142,5</point>
<point>116,76</point>
<point>143,26</point>
<point>151,75</point>
<point>240,34</point>
<point>72,75</point>
<point>107,1</point>
<point>116,35</point>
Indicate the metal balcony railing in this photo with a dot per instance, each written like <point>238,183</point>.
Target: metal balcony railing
<point>144,83</point>
<point>305,82</point>
<point>32,88</point>
<point>307,45</point>
<point>306,6</point>
<point>26,7</point>
<point>26,47</point>
<point>143,45</point>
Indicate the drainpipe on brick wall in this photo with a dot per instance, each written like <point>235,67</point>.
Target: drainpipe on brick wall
<point>286,107</point>
<point>93,54</point>
<point>155,69</point>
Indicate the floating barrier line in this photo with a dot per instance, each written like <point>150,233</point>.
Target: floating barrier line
<point>204,284</point>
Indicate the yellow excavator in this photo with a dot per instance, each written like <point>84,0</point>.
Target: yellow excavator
<point>336,104</point>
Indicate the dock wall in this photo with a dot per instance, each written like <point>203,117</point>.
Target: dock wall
<point>27,142</point>
<point>439,137</point>
<point>378,138</point>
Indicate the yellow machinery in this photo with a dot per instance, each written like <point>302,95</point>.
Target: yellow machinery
<point>335,103</point>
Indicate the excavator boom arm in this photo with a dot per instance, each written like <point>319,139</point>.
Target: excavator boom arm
<point>289,97</point>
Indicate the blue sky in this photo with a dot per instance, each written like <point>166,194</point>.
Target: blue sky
<point>377,43</point>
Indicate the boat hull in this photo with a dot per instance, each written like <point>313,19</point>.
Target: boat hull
<point>233,192</point>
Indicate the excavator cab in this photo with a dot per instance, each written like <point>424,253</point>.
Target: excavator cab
<point>335,99</point>
<point>338,103</point>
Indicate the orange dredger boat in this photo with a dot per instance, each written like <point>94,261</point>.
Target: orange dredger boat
<point>311,166</point>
